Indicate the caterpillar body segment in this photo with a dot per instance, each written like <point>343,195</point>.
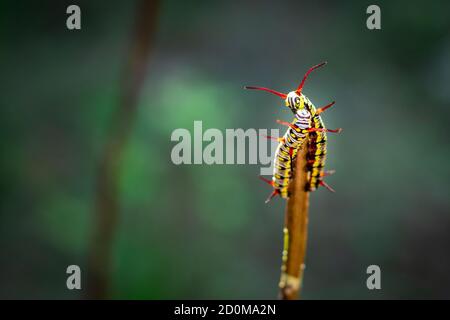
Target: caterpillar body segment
<point>317,152</point>
<point>292,140</point>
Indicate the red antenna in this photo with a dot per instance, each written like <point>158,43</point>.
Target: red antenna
<point>300,87</point>
<point>282,95</point>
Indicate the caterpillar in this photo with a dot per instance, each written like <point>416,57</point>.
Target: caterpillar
<point>306,124</point>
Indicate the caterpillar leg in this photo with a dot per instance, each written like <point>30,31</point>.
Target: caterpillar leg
<point>327,173</point>
<point>338,130</point>
<point>287,124</point>
<point>273,194</point>
<point>269,182</point>
<point>322,109</point>
<point>324,184</point>
<point>273,138</point>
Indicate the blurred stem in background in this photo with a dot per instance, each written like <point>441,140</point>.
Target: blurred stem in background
<point>295,230</point>
<point>107,204</point>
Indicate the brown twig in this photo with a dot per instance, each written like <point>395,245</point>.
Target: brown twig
<point>107,205</point>
<point>295,230</point>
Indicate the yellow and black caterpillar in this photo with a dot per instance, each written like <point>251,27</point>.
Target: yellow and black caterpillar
<point>306,124</point>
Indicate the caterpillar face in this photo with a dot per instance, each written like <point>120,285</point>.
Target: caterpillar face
<point>294,101</point>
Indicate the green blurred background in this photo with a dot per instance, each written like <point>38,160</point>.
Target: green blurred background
<point>199,231</point>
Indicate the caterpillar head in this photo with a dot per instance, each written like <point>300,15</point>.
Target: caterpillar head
<point>294,99</point>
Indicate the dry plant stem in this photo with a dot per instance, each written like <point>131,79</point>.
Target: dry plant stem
<point>295,230</point>
<point>107,204</point>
